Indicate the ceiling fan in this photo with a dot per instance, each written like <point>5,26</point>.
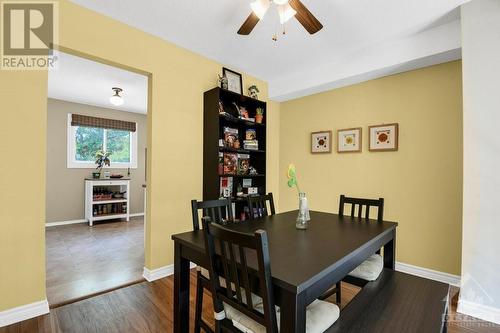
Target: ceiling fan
<point>286,10</point>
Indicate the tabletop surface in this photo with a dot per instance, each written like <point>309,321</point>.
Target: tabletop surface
<point>297,256</point>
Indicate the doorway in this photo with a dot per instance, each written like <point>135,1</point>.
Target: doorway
<point>95,217</point>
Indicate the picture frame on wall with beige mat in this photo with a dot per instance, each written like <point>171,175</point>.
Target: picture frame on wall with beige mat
<point>349,140</point>
<point>384,137</point>
<point>321,142</point>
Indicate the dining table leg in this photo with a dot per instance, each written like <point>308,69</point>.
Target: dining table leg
<point>390,253</point>
<point>181,292</point>
<point>293,312</point>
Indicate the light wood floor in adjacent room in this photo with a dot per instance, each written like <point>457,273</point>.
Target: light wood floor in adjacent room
<point>148,307</point>
<point>83,260</point>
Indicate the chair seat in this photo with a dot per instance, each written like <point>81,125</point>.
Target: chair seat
<point>320,316</point>
<point>370,269</point>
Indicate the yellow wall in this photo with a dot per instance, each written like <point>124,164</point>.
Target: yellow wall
<point>422,182</point>
<point>178,80</point>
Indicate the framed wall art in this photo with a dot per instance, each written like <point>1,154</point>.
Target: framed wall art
<point>321,142</point>
<point>234,80</point>
<point>349,140</point>
<point>384,137</point>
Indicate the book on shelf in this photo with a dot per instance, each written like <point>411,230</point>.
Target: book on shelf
<point>221,163</point>
<point>230,136</point>
<point>243,164</point>
<point>230,163</point>
<point>226,187</point>
<point>250,134</point>
<point>251,144</point>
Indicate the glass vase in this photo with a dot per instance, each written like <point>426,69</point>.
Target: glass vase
<point>303,217</point>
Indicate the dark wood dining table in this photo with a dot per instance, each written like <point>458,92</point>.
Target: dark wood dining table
<point>304,263</point>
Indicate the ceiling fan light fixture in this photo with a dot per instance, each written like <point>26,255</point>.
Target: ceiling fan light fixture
<point>116,99</point>
<point>260,7</point>
<point>286,12</point>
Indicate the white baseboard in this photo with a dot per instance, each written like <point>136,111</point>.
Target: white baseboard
<point>159,273</point>
<point>428,273</point>
<point>23,312</point>
<point>479,311</point>
<point>54,224</point>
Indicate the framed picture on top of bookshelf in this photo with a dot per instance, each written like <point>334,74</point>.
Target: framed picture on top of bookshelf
<point>234,80</point>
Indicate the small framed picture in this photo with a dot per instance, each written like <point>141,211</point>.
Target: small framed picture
<point>321,142</point>
<point>384,137</point>
<point>234,80</point>
<point>349,140</point>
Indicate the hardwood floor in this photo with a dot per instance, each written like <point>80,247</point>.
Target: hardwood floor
<point>83,260</point>
<point>148,307</point>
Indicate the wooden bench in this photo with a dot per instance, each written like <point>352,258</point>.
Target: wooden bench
<point>396,302</point>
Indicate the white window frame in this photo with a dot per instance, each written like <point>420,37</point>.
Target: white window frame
<point>74,164</point>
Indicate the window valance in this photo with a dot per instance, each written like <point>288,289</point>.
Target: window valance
<point>88,121</point>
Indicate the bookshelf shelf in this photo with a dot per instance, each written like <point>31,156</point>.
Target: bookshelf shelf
<point>235,120</point>
<point>243,176</point>
<point>241,151</point>
<point>216,126</point>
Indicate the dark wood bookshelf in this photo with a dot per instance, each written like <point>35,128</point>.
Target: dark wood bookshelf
<point>213,130</point>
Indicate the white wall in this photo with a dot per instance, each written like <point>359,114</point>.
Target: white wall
<point>480,294</point>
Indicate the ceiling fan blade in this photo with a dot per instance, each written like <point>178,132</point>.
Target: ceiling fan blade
<point>249,24</point>
<point>305,17</point>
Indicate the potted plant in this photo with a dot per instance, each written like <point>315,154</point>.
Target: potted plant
<point>259,115</point>
<point>102,159</point>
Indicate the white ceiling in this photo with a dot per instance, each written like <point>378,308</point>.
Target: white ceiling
<point>360,37</point>
<point>80,80</point>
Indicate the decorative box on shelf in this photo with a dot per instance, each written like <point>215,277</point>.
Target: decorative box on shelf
<point>107,199</point>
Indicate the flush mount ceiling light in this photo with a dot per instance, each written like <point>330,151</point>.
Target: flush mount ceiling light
<point>286,10</point>
<point>116,99</point>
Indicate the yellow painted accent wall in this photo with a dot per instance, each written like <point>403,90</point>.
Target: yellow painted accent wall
<point>178,80</point>
<point>421,183</point>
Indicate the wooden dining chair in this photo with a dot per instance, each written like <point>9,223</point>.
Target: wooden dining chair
<point>371,268</point>
<point>237,307</point>
<point>221,212</point>
<point>362,205</point>
<point>257,205</point>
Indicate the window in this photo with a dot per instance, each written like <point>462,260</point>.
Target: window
<point>84,142</point>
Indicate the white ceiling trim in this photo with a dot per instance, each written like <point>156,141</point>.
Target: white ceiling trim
<point>430,47</point>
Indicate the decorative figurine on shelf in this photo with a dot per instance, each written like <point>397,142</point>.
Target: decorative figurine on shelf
<point>102,159</point>
<point>252,171</point>
<point>236,144</point>
<point>253,91</point>
<point>243,112</point>
<point>259,115</point>
<point>239,191</point>
<point>221,107</point>
<point>224,83</point>
<point>304,216</point>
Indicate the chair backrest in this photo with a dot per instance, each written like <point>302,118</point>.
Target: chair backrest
<point>257,205</point>
<point>219,211</point>
<point>231,249</point>
<point>360,203</point>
